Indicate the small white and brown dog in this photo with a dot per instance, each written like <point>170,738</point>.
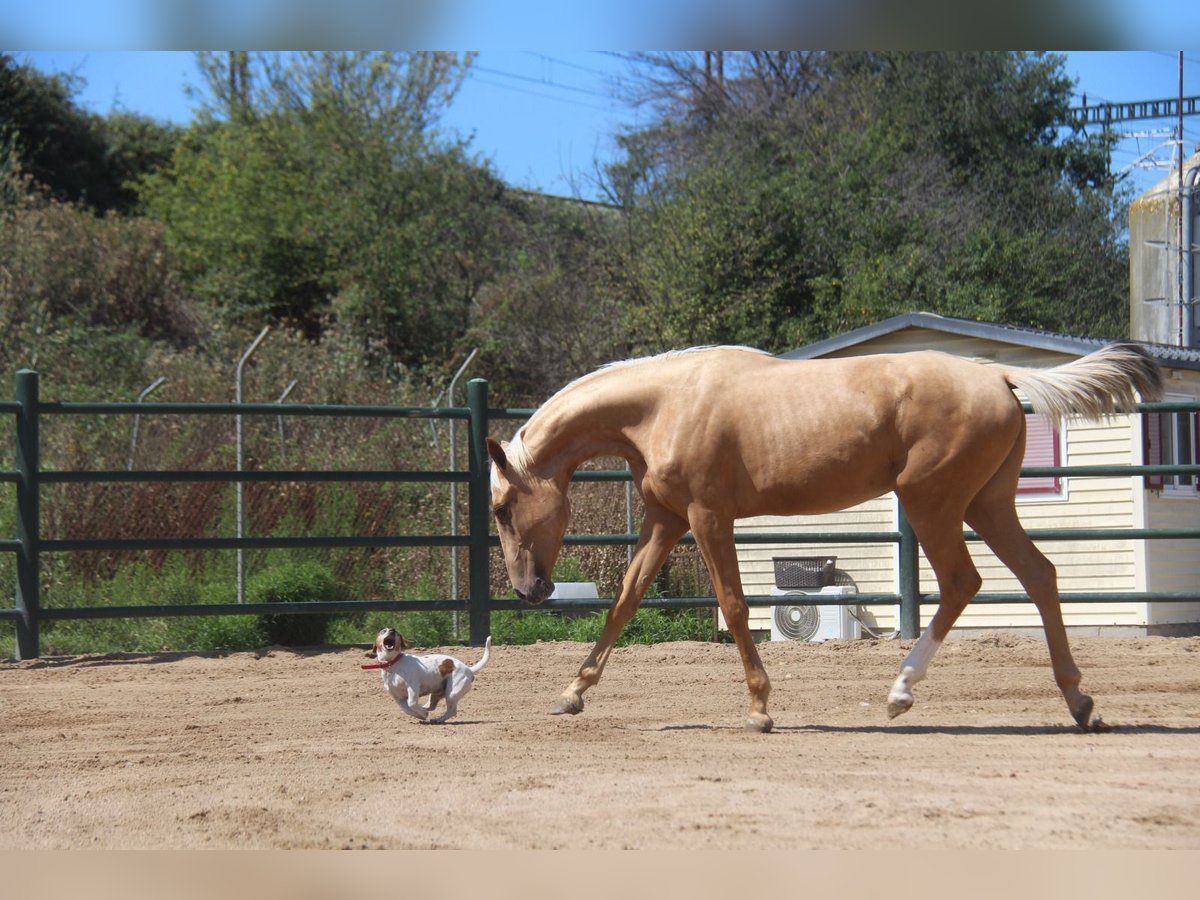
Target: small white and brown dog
<point>408,678</point>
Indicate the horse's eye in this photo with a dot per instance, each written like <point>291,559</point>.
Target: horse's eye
<point>502,514</point>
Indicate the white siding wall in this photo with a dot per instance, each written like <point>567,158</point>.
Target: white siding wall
<point>872,566</point>
<point>1088,502</point>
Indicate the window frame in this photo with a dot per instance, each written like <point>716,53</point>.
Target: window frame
<point>1156,451</point>
<point>1044,488</point>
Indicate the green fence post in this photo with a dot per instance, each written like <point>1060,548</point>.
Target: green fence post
<point>910,579</point>
<point>28,595</point>
<point>479,515</point>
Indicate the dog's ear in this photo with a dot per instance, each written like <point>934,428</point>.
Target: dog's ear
<point>370,654</point>
<point>403,644</point>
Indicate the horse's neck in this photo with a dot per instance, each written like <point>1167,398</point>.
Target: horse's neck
<point>567,432</point>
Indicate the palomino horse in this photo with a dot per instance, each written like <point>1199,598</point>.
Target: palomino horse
<point>716,434</point>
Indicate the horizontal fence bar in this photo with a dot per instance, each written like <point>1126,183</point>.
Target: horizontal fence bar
<point>425,476</point>
<point>252,543</point>
<point>78,407</point>
<point>1080,597</point>
<point>1102,534</point>
<point>1117,470</point>
<point>252,475</point>
<point>277,542</point>
<point>1111,471</point>
<point>510,412</point>
<point>574,604</point>
<point>995,597</point>
<point>85,408</point>
<point>885,537</point>
<point>315,607</point>
<point>1159,406</point>
<point>812,537</point>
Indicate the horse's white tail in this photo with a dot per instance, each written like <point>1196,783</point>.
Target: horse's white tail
<point>1099,384</point>
<point>483,660</point>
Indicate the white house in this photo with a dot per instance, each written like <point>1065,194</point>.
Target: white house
<point>1084,566</point>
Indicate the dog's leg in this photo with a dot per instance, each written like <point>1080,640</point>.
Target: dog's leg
<point>439,693</point>
<point>409,702</point>
<point>455,687</point>
<point>451,710</point>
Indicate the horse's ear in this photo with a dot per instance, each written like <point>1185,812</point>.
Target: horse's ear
<point>496,452</point>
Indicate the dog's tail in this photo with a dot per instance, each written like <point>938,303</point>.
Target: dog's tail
<point>483,660</point>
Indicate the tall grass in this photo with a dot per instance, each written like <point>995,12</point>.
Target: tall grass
<point>209,579</point>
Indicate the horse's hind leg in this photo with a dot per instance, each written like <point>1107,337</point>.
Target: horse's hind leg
<point>993,515</point>
<point>661,530</point>
<point>958,581</point>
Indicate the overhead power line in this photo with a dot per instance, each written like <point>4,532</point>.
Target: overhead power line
<point>1170,55</point>
<point>571,101</point>
<point>543,82</point>
<point>567,64</point>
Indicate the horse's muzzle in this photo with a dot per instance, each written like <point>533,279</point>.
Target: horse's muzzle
<point>538,592</point>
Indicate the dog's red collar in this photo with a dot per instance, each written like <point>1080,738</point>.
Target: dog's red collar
<point>382,665</point>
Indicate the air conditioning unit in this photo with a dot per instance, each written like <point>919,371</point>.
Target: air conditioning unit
<point>805,622</point>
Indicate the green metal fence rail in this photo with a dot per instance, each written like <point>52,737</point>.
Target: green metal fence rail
<point>28,544</point>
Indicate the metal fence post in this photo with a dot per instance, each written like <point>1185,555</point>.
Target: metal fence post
<point>28,594</point>
<point>239,486</point>
<point>452,426</point>
<point>479,515</point>
<point>910,578</point>
<point>133,437</point>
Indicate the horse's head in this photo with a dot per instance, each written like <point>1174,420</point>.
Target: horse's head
<point>531,519</point>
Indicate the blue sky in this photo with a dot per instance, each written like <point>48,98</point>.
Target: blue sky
<point>545,118</point>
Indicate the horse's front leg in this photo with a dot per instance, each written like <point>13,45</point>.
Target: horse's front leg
<point>661,530</point>
<point>714,537</point>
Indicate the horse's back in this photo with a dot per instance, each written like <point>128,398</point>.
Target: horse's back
<point>820,435</point>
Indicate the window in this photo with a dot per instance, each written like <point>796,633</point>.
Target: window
<point>1042,448</point>
<point>1172,439</point>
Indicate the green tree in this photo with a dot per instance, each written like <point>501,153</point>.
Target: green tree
<point>545,317</point>
<point>316,186</point>
<point>783,197</point>
<point>74,155</point>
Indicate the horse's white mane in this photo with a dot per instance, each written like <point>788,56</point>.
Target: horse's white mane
<point>519,457</point>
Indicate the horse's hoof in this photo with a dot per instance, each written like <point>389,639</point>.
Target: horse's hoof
<point>899,705</point>
<point>1083,712</point>
<point>759,722</point>
<point>567,706</point>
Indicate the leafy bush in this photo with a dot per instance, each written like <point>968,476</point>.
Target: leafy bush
<point>421,628</point>
<point>293,583</point>
<point>228,633</point>
<point>648,626</point>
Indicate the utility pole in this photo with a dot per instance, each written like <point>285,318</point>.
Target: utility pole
<point>714,68</point>
<point>1107,115</point>
<point>1179,270</point>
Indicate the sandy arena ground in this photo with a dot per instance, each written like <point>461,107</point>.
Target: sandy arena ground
<point>283,749</point>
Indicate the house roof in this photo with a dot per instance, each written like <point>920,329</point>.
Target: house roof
<point>1166,354</point>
